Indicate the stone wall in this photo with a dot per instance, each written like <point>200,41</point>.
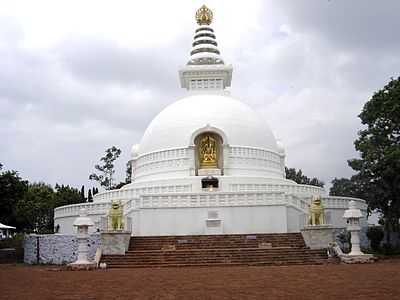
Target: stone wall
<point>56,249</point>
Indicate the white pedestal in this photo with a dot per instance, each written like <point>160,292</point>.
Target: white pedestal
<point>115,242</point>
<point>209,172</point>
<point>355,243</point>
<point>357,259</point>
<point>353,259</point>
<point>82,263</point>
<point>213,226</point>
<point>318,236</point>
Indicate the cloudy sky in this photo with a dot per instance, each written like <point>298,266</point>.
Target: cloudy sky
<point>77,77</point>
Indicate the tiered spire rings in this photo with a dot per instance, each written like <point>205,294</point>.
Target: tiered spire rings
<point>205,69</point>
<point>204,50</point>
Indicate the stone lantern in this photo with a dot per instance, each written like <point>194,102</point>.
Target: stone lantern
<point>82,223</point>
<point>353,216</point>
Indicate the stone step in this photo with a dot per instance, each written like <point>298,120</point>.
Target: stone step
<point>213,242</point>
<point>174,247</point>
<point>221,251</point>
<point>216,241</point>
<point>214,250</point>
<point>239,257</point>
<point>195,253</point>
<point>296,236</point>
<point>258,263</point>
<point>216,259</point>
<point>174,257</point>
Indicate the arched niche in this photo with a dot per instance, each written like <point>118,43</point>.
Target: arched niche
<point>208,128</point>
<point>209,153</point>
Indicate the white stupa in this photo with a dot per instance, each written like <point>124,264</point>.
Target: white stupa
<point>208,163</point>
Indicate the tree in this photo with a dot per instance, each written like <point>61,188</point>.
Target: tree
<point>36,210</point>
<point>379,146</point>
<point>90,197</point>
<point>12,190</point>
<point>95,191</point>
<point>375,234</point>
<point>30,207</point>
<point>128,178</point>
<point>300,178</point>
<point>66,195</point>
<point>106,168</point>
<point>347,187</point>
<point>82,193</point>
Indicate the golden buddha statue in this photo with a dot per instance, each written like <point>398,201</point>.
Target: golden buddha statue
<point>208,153</point>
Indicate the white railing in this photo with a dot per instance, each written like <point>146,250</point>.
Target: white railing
<point>343,202</point>
<point>270,187</point>
<point>104,225</point>
<point>121,194</point>
<point>131,205</point>
<point>92,208</point>
<point>217,199</point>
<point>208,199</point>
<point>211,199</point>
<point>130,193</point>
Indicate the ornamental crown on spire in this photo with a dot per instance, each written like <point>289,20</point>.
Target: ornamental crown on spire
<point>204,16</point>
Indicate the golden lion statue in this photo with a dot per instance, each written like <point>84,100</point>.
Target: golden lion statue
<point>115,216</point>
<point>316,211</point>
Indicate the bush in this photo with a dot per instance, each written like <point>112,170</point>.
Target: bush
<point>344,238</point>
<point>388,249</point>
<point>375,234</point>
<point>14,242</point>
<point>17,243</point>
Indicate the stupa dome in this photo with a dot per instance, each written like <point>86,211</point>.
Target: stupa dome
<point>208,164</point>
<point>237,123</point>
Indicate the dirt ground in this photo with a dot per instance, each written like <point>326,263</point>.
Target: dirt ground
<point>373,281</point>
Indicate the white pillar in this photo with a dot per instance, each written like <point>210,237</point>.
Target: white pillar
<point>192,160</point>
<point>82,224</point>
<point>353,216</point>
<point>82,238</point>
<point>355,243</point>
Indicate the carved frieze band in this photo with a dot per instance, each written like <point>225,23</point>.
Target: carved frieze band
<point>254,157</point>
<point>268,187</point>
<point>173,159</point>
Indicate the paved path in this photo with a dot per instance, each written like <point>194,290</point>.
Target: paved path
<point>372,281</point>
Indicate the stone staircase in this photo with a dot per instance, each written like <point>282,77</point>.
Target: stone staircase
<point>216,250</point>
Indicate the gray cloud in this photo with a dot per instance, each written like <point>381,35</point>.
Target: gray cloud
<point>105,61</point>
<point>308,68</point>
<point>311,82</point>
<point>357,24</point>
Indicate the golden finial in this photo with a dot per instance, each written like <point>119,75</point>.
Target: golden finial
<point>204,16</point>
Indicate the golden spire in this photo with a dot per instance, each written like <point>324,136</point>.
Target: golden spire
<point>204,16</point>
